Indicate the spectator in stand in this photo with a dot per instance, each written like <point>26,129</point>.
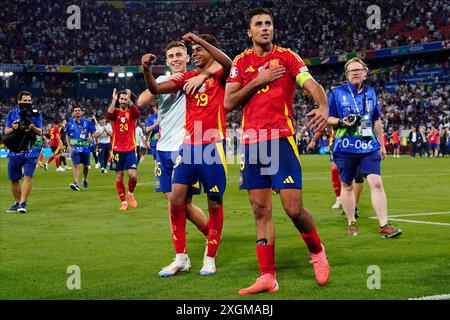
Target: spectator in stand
<point>37,36</point>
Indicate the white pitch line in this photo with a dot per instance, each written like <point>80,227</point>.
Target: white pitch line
<point>436,297</point>
<point>395,218</point>
<point>419,214</point>
<point>420,222</point>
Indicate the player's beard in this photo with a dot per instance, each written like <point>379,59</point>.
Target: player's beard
<point>123,107</point>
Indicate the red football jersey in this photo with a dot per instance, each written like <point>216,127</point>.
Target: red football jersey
<point>124,128</point>
<point>271,107</point>
<point>205,113</point>
<point>433,137</point>
<point>55,136</point>
<point>395,137</point>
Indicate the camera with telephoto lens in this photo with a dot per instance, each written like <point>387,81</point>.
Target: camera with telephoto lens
<point>354,118</point>
<point>26,113</point>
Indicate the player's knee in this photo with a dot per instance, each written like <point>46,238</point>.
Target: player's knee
<point>377,185</point>
<point>132,175</point>
<point>347,187</point>
<point>261,209</point>
<point>215,201</point>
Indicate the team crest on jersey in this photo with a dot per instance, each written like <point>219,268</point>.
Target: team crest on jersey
<point>274,63</point>
<point>123,119</point>
<point>209,82</point>
<point>202,88</point>
<point>233,72</point>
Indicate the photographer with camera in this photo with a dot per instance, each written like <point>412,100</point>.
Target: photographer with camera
<point>23,138</point>
<point>356,116</point>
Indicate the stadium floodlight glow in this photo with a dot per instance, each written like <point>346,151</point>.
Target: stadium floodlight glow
<point>167,73</point>
<point>121,74</point>
<point>129,74</point>
<point>1,73</point>
<point>111,74</point>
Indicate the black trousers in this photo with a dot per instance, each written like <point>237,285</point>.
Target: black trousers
<point>104,150</point>
<point>413,150</point>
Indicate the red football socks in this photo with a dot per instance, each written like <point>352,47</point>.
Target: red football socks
<point>336,181</point>
<point>215,225</point>
<point>266,258</point>
<point>178,222</point>
<point>312,241</point>
<point>120,187</point>
<point>204,230</point>
<point>131,184</point>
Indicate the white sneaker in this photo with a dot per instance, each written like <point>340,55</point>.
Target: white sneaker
<point>180,264</point>
<point>209,266</point>
<point>60,169</point>
<point>67,168</point>
<point>337,204</point>
<point>97,165</point>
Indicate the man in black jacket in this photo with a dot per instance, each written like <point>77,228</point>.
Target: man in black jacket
<point>412,141</point>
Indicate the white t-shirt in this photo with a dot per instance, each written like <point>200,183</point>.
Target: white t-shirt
<point>104,137</point>
<point>171,114</point>
<point>140,138</point>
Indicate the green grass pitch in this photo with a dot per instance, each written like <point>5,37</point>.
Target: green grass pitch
<point>120,254</point>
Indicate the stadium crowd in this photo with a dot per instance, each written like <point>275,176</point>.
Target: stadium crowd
<point>117,36</point>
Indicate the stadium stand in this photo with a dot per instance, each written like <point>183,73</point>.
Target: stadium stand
<point>117,35</point>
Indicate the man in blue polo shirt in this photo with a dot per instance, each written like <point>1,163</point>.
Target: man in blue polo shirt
<point>22,162</point>
<point>152,129</point>
<point>80,133</point>
<point>356,116</point>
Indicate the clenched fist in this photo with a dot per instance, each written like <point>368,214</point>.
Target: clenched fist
<point>190,38</point>
<point>147,60</point>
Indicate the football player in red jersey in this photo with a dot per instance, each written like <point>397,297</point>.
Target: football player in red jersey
<point>56,145</point>
<point>123,144</point>
<point>204,135</point>
<point>263,80</point>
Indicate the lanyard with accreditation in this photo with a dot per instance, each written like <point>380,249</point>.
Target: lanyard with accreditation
<point>365,127</point>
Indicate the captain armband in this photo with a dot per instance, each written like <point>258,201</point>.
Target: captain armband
<point>302,77</point>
